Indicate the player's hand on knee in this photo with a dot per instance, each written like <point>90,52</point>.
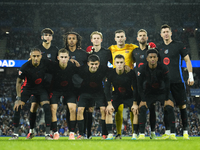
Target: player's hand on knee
<point>134,109</point>
<point>109,109</point>
<point>18,104</point>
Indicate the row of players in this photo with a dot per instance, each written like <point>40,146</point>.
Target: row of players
<point>169,52</point>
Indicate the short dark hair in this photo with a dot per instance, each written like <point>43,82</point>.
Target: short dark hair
<point>152,51</point>
<point>119,56</point>
<point>63,50</point>
<point>165,26</point>
<point>35,49</point>
<point>93,58</point>
<point>119,31</point>
<point>47,30</point>
<point>79,38</point>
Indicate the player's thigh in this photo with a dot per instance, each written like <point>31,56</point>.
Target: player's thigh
<point>86,100</point>
<point>25,95</point>
<point>100,100</point>
<point>55,97</point>
<point>178,92</point>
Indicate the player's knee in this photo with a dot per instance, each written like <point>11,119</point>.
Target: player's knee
<point>80,110</point>
<point>72,110</point>
<point>34,107</point>
<point>53,110</point>
<point>182,106</point>
<point>102,110</point>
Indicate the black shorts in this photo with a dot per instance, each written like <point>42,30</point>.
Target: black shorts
<point>39,95</point>
<point>150,99</point>
<point>116,101</point>
<point>178,93</point>
<point>69,97</point>
<point>90,99</point>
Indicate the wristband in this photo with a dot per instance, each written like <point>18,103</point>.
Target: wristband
<point>191,78</point>
<point>18,98</point>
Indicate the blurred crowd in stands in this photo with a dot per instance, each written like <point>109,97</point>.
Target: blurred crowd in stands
<point>24,33</point>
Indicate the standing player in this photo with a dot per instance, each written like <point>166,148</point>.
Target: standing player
<point>154,85</point>
<point>105,56</point>
<point>72,42</point>
<point>126,51</point>
<point>91,90</point>
<point>139,56</point>
<point>49,52</point>
<point>62,86</point>
<point>122,94</point>
<point>33,72</point>
<point>171,53</point>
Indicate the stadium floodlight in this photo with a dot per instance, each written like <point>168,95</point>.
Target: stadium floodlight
<point>7,32</point>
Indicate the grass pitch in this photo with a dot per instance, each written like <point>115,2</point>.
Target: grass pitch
<point>39,143</point>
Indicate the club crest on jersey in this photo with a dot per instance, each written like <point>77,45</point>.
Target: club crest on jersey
<point>138,73</point>
<point>20,72</point>
<point>166,51</point>
<point>48,55</point>
<point>141,56</point>
<point>126,51</point>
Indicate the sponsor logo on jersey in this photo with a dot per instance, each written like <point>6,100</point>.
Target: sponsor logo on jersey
<point>122,89</point>
<point>140,64</point>
<point>166,61</point>
<point>38,81</point>
<point>93,84</point>
<point>20,72</point>
<point>48,55</point>
<point>64,83</point>
<point>166,51</point>
<point>141,56</point>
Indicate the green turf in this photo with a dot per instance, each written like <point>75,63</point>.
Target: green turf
<point>39,143</point>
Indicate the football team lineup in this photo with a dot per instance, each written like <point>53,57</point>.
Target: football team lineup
<point>77,75</point>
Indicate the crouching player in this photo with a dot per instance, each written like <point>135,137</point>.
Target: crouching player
<point>33,72</point>
<point>153,85</point>
<point>122,94</point>
<point>91,90</point>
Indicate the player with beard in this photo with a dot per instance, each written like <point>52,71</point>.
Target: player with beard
<point>139,56</point>
<point>91,90</point>
<point>125,50</point>
<point>122,94</point>
<point>72,42</point>
<point>153,85</point>
<point>105,56</point>
<point>33,72</point>
<point>172,53</point>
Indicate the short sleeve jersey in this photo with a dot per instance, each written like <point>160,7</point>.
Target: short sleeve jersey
<point>34,76</point>
<point>122,83</point>
<point>92,82</point>
<point>62,78</point>
<point>172,55</point>
<point>104,55</point>
<point>50,53</point>
<point>126,52</point>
